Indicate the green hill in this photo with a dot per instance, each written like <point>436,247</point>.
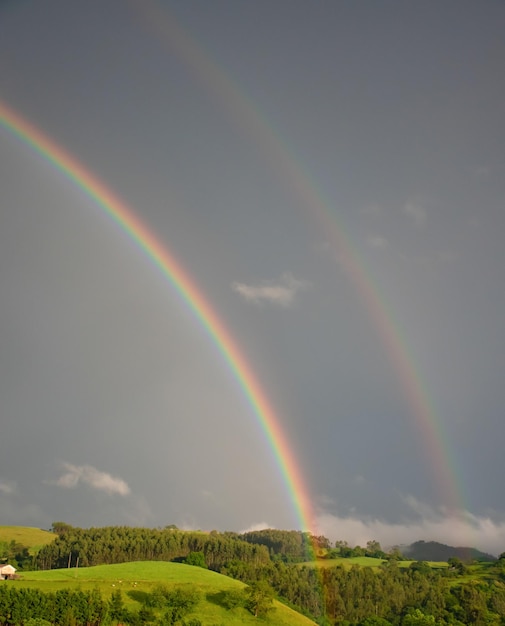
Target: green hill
<point>138,579</point>
<point>31,538</point>
<point>435,551</point>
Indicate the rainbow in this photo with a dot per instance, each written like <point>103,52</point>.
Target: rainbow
<point>250,120</point>
<point>125,217</point>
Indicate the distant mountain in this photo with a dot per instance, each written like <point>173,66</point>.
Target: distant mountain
<point>434,551</point>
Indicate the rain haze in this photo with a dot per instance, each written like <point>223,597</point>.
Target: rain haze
<point>331,176</point>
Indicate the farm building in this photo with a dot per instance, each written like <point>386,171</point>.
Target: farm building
<point>7,571</point>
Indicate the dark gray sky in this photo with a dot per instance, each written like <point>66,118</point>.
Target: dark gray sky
<point>223,124</point>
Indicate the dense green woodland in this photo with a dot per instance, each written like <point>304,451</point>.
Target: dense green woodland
<point>121,544</point>
<point>31,607</point>
<point>389,594</point>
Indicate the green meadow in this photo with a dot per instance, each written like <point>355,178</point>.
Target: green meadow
<point>32,538</point>
<point>362,561</point>
<point>368,561</point>
<point>135,580</point>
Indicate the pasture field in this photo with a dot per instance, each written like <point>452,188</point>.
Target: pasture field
<point>362,561</point>
<point>432,564</point>
<point>483,570</point>
<point>32,538</point>
<point>368,561</point>
<point>137,579</point>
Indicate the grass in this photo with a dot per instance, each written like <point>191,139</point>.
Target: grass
<point>432,564</point>
<point>368,561</point>
<point>32,538</point>
<point>478,571</point>
<point>362,561</point>
<point>136,579</point>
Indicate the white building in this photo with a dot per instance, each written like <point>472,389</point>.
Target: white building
<point>6,571</point>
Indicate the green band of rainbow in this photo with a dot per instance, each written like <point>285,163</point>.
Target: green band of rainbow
<point>159,254</point>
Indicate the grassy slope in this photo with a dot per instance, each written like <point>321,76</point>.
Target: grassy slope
<point>366,561</point>
<point>33,538</point>
<point>135,578</point>
<point>362,561</point>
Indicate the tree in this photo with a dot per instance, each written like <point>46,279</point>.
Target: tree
<point>61,528</point>
<point>260,598</point>
<point>395,554</point>
<point>418,618</point>
<point>373,548</point>
<point>233,598</point>
<point>37,621</point>
<point>116,606</point>
<point>456,565</point>
<point>420,566</point>
<point>197,559</point>
<point>343,548</point>
<point>373,620</point>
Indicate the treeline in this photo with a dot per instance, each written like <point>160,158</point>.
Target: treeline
<point>66,607</point>
<point>18,606</point>
<point>289,546</point>
<point>120,544</point>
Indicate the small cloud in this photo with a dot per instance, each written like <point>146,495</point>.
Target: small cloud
<point>376,241</point>
<point>281,292</point>
<point>7,487</point>
<point>94,478</point>
<point>416,212</point>
<point>255,527</point>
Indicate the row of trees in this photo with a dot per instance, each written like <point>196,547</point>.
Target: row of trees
<point>65,607</point>
<point>117,544</point>
<point>121,544</point>
<point>289,546</point>
<point>31,607</point>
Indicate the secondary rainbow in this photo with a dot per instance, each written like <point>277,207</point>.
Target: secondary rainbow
<point>250,120</point>
<point>163,259</point>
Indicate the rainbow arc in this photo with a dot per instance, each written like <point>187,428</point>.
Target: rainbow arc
<point>161,257</point>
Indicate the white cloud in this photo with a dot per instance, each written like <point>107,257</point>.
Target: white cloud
<point>281,292</point>
<point>7,486</point>
<point>456,529</point>
<point>416,212</point>
<point>92,477</point>
<point>254,527</point>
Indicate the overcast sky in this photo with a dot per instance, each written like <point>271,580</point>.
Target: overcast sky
<point>280,150</point>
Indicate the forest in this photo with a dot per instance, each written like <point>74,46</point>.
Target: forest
<point>295,567</point>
